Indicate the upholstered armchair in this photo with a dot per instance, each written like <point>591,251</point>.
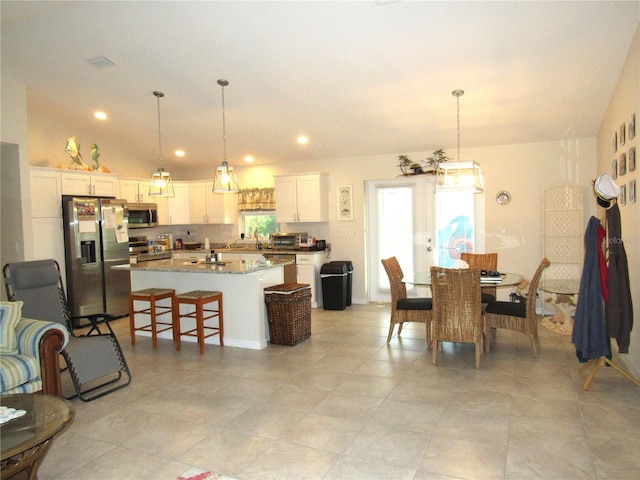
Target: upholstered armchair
<point>29,356</point>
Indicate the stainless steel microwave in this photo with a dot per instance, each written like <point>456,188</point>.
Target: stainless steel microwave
<point>288,241</point>
<point>143,215</point>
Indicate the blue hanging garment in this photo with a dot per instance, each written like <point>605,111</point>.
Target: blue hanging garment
<point>589,329</point>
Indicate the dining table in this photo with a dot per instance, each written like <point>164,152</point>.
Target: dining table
<point>423,279</point>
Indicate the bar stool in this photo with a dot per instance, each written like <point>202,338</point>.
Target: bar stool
<point>152,296</point>
<point>199,299</point>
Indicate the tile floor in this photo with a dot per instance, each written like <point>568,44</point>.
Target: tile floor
<point>345,405</point>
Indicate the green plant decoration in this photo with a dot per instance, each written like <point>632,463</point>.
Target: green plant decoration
<point>437,158</point>
<point>408,167</point>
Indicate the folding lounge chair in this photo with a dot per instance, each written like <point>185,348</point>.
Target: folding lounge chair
<point>94,359</point>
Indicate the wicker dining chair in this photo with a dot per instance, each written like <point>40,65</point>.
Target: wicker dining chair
<point>405,309</point>
<point>457,312</point>
<point>520,317</point>
<point>483,261</point>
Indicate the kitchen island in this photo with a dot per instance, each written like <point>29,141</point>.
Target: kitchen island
<point>242,285</point>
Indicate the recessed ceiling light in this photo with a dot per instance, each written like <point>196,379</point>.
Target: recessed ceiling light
<point>180,153</point>
<point>100,115</point>
<point>249,159</point>
<point>302,139</point>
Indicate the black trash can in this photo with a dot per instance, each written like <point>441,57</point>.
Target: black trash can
<point>334,286</point>
<point>349,278</point>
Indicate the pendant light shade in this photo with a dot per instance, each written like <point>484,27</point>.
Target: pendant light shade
<point>160,184</point>
<point>225,179</point>
<point>465,175</point>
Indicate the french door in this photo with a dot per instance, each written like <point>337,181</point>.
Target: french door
<point>401,223</point>
<point>407,219</point>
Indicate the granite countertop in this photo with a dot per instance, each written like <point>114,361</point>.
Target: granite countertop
<point>186,266</point>
<point>265,251</point>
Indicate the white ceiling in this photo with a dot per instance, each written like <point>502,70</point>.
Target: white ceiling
<point>357,77</point>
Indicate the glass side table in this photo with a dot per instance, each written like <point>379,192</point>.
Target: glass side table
<point>563,299</point>
<point>24,441</point>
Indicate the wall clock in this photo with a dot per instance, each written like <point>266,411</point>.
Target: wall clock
<point>503,197</point>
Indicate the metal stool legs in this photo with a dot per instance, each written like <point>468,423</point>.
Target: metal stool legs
<point>199,299</point>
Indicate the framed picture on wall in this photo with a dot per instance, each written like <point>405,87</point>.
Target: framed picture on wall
<point>621,135</point>
<point>632,159</point>
<point>632,126</point>
<point>622,164</point>
<point>632,191</point>
<point>614,142</point>
<point>622,199</point>
<point>614,168</point>
<point>345,203</point>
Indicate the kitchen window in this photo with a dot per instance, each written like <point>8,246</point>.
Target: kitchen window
<point>260,224</point>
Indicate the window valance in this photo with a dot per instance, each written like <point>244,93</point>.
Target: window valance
<point>257,199</point>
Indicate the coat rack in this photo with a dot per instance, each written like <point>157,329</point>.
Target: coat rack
<point>595,363</point>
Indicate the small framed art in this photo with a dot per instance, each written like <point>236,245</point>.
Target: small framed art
<point>632,126</point>
<point>614,168</point>
<point>622,164</point>
<point>622,198</point>
<point>345,203</point>
<point>631,161</point>
<point>632,191</point>
<point>614,142</point>
<point>621,135</point>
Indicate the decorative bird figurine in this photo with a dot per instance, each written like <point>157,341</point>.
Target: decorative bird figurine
<point>73,149</point>
<point>95,155</point>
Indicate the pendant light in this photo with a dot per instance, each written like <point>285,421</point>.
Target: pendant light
<point>225,179</point>
<point>459,175</point>
<point>161,184</point>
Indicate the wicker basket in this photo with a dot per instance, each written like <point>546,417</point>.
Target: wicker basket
<point>289,313</point>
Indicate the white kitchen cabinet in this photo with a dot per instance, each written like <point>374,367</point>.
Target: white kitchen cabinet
<point>227,256</point>
<point>178,206</point>
<point>308,271</point>
<point>189,255</point>
<point>46,193</point>
<point>302,198</point>
<point>223,208</point>
<point>198,202</point>
<point>135,190</point>
<point>86,183</point>
<point>49,231</point>
<point>46,214</point>
<point>208,207</point>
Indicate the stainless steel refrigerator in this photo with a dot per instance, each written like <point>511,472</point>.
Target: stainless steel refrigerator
<point>95,239</point>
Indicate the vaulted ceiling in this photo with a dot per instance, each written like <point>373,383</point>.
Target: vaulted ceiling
<point>356,77</point>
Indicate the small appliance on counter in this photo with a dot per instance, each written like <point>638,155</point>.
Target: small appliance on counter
<point>164,242</point>
<point>288,241</point>
<point>140,250</point>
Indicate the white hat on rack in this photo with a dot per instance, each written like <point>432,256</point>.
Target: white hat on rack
<point>605,189</point>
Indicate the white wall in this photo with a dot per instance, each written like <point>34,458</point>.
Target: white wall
<point>624,102</point>
<point>514,230</point>
<point>16,198</point>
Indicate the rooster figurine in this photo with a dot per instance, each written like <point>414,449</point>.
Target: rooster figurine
<point>73,149</point>
<point>95,155</point>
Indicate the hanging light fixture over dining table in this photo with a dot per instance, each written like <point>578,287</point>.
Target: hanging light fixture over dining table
<point>459,175</point>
